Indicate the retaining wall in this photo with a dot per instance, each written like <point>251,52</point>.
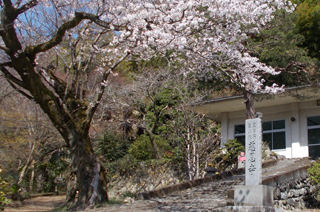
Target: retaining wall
<point>293,189</point>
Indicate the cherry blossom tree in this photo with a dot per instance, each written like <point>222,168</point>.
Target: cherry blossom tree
<point>207,36</point>
<point>49,50</point>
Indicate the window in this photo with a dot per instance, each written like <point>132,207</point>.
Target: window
<point>274,133</point>
<point>239,133</point>
<point>313,124</point>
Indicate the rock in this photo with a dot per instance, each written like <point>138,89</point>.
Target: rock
<point>128,200</point>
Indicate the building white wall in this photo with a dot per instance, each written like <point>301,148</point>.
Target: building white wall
<point>296,130</point>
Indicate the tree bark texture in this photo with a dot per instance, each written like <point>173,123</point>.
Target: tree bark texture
<point>248,100</point>
<point>70,115</point>
<point>90,184</point>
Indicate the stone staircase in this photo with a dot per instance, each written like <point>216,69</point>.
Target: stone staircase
<point>212,192</point>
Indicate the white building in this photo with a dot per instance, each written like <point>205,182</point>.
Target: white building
<point>291,125</point>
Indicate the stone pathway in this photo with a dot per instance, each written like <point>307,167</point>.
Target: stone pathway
<point>201,198</point>
<point>205,197</point>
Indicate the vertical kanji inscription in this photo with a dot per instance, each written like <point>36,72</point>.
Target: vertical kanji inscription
<point>253,151</point>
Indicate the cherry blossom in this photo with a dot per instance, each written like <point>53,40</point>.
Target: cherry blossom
<point>206,36</point>
<point>209,33</point>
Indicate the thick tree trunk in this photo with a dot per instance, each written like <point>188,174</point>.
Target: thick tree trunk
<point>89,184</point>
<point>70,115</point>
<point>248,99</point>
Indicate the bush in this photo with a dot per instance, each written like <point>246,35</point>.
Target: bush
<point>123,166</point>
<point>111,147</point>
<point>4,191</point>
<point>314,175</point>
<point>314,172</point>
<point>142,148</point>
<point>227,157</point>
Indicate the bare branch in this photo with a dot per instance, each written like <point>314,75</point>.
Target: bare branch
<point>52,151</point>
<point>19,90</point>
<point>58,85</point>
<point>99,22</point>
<point>102,87</point>
<point>27,6</point>
<point>33,50</point>
<point>10,77</point>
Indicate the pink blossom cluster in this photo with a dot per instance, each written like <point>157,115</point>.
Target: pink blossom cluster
<point>206,36</point>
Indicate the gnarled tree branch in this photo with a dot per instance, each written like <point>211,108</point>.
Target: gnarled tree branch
<point>27,6</point>
<point>33,50</point>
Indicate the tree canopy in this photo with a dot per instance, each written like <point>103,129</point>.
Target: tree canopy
<point>60,54</point>
<point>309,25</point>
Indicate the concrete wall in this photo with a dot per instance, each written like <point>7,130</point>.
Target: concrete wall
<point>296,131</point>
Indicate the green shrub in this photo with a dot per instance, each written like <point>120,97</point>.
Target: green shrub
<point>227,157</point>
<point>4,191</point>
<point>314,175</point>
<point>142,148</point>
<point>123,166</point>
<point>128,194</point>
<point>111,146</point>
<point>314,172</point>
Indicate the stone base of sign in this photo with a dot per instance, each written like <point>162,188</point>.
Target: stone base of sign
<point>253,195</point>
<point>248,209</point>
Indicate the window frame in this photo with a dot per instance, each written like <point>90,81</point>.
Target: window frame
<point>313,147</point>
<point>240,134</point>
<point>312,128</point>
<point>272,131</point>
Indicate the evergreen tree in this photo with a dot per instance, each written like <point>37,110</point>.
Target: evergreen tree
<point>279,45</point>
<point>308,24</point>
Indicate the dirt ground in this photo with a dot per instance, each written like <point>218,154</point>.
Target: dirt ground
<point>49,203</point>
<point>37,204</point>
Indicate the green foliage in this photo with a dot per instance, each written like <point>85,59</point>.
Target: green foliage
<point>111,146</point>
<point>227,157</point>
<point>134,66</point>
<point>4,191</point>
<point>53,172</point>
<point>124,166</point>
<point>142,149</point>
<point>309,25</point>
<point>278,45</point>
<point>158,112</point>
<point>128,194</point>
<point>314,174</point>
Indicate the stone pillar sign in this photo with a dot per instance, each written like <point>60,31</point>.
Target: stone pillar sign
<point>253,171</point>
<point>253,196</point>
